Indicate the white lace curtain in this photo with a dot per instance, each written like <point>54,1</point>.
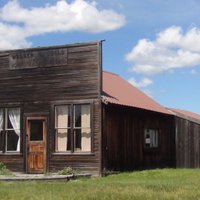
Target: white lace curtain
<point>62,113</point>
<point>1,119</point>
<point>14,116</point>
<point>85,125</point>
<point>62,117</point>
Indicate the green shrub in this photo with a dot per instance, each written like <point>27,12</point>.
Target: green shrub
<point>67,171</point>
<point>4,170</point>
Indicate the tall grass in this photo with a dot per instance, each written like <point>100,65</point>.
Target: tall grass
<point>144,185</point>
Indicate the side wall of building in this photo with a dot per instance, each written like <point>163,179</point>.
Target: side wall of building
<point>124,139</point>
<point>187,143</point>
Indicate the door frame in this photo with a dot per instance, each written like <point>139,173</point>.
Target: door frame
<point>27,118</point>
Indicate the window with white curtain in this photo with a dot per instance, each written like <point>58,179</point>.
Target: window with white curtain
<point>73,129</point>
<point>9,130</point>
<point>1,130</point>
<point>82,130</point>
<point>151,138</point>
<point>63,128</point>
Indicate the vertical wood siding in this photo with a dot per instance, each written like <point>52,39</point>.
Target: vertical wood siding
<point>123,139</point>
<point>187,143</point>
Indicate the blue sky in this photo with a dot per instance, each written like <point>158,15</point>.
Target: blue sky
<point>154,44</point>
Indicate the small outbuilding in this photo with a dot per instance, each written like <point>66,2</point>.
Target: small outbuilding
<point>138,133</point>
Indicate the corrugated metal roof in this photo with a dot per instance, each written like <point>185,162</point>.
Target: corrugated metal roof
<point>119,91</point>
<point>186,114</point>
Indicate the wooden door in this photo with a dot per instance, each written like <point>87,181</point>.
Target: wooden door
<point>36,145</point>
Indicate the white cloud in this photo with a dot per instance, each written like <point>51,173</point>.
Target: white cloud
<point>172,49</point>
<point>12,37</point>
<point>140,84</point>
<point>79,15</point>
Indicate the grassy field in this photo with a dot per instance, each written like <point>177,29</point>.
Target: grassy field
<point>147,185</point>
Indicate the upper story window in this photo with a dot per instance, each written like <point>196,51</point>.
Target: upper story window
<point>151,138</point>
<point>9,130</point>
<point>73,129</point>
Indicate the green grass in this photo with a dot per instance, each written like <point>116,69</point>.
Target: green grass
<point>144,185</point>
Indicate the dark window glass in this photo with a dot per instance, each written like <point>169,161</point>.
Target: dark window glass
<point>77,139</point>
<point>1,141</point>
<point>36,130</point>
<point>12,140</point>
<point>9,124</point>
<point>68,140</point>
<point>77,115</point>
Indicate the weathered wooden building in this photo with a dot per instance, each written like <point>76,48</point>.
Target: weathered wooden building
<point>58,109</point>
<point>138,133</point>
<point>187,126</point>
<point>50,108</point>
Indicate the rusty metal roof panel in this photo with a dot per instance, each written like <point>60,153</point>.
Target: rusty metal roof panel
<point>186,114</point>
<point>119,91</point>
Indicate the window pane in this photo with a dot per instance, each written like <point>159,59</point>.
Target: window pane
<point>77,115</point>
<point>12,140</point>
<point>36,130</point>
<point>1,119</point>
<point>82,116</point>
<point>147,138</point>
<point>63,140</point>
<point>13,118</point>
<point>8,124</point>
<point>82,139</point>
<point>13,136</point>
<point>62,118</point>
<point>1,140</point>
<point>85,116</point>
<point>154,138</point>
<point>151,138</point>
<point>86,139</point>
<point>82,133</point>
<point>77,139</point>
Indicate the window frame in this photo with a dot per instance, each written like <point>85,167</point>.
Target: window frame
<point>153,138</point>
<point>5,130</point>
<point>72,129</point>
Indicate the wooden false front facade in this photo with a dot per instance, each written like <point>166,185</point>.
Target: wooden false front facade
<point>33,84</point>
<point>124,144</point>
